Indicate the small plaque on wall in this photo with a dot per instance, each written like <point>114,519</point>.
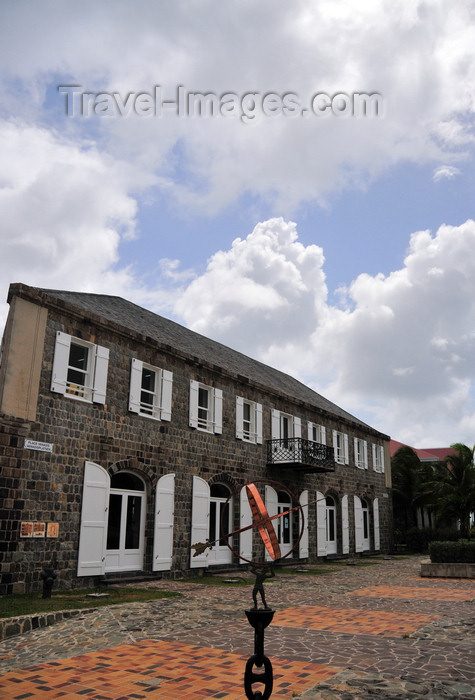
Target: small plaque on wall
<point>39,529</point>
<point>26,529</point>
<point>38,446</point>
<point>52,530</point>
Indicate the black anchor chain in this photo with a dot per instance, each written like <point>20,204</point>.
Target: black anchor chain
<point>259,619</point>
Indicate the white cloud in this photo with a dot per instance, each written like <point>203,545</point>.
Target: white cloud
<point>64,210</point>
<point>418,56</point>
<point>399,349</point>
<point>445,171</point>
<point>248,294</point>
<point>401,355</point>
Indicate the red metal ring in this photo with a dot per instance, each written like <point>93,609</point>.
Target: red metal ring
<point>298,508</point>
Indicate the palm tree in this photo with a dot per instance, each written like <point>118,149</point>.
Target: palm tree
<point>406,470</point>
<point>453,486</point>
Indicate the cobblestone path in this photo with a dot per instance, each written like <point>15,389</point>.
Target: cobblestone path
<point>355,632</point>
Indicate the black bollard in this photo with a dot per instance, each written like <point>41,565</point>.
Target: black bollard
<point>48,575</point>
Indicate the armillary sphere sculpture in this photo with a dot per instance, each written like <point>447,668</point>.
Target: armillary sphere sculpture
<point>258,667</point>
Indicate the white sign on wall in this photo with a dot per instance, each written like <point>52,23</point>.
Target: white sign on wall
<point>38,446</point>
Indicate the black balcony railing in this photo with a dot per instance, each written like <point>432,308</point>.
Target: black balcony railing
<point>303,455</point>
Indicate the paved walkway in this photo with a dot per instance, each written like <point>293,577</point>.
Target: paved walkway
<point>355,632</point>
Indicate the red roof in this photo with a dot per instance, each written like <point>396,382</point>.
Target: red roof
<point>428,454</point>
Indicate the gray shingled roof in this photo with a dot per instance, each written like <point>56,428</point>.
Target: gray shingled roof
<point>135,318</point>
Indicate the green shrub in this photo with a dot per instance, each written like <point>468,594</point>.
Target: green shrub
<point>462,551</point>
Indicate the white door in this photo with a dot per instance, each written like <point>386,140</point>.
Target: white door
<point>321,525</point>
<point>345,525</point>
<point>199,521</point>
<point>126,523</point>
<point>377,540</point>
<point>277,503</point>
<point>283,525</point>
<point>303,513</point>
<point>330,527</point>
<point>358,524</point>
<point>92,536</point>
<point>164,518</point>
<point>365,513</point>
<point>220,513</point>
<point>245,538</point>
<point>284,428</point>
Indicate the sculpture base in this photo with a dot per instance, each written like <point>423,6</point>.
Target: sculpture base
<point>258,668</point>
<point>259,618</point>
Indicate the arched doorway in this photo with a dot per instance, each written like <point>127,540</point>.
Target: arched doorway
<point>220,513</point>
<point>126,523</point>
<point>331,538</point>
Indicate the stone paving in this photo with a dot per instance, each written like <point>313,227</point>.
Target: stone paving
<point>355,632</point>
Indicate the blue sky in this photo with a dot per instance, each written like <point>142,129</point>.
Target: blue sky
<point>360,230</point>
<point>298,240</point>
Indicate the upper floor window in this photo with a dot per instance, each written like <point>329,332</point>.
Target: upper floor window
<point>378,458</point>
<point>248,420</point>
<point>150,391</point>
<point>79,369</point>
<point>206,407</point>
<point>284,426</point>
<point>361,453</point>
<point>317,433</point>
<point>340,446</point>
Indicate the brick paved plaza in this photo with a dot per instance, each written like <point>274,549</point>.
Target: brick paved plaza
<point>354,632</point>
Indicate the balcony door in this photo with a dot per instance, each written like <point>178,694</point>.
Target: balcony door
<point>284,429</point>
<point>126,523</point>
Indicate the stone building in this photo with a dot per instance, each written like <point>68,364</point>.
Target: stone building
<point>126,438</point>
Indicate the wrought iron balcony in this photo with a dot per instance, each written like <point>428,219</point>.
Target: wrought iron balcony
<point>302,455</point>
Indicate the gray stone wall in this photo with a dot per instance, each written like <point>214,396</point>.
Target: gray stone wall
<point>47,487</point>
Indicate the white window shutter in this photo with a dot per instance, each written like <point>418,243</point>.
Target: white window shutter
<point>199,521</point>
<point>365,454</point>
<point>218,411</point>
<point>309,431</point>
<point>239,417</point>
<point>135,385</point>
<point>355,450</point>
<point>377,543</point>
<point>335,443</point>
<point>358,524</point>
<point>94,518</point>
<point>194,403</point>
<point>245,538</point>
<point>323,432</point>
<point>347,454</point>
<point>60,362</point>
<point>345,525</point>
<point>374,453</point>
<point>271,500</point>
<point>303,513</point>
<point>259,423</point>
<point>382,458</point>
<point>164,517</point>
<point>321,525</point>
<point>297,427</point>
<point>166,403</point>
<point>275,424</point>
<point>100,374</point>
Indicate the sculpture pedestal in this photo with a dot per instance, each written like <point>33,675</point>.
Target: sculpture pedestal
<point>259,620</point>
